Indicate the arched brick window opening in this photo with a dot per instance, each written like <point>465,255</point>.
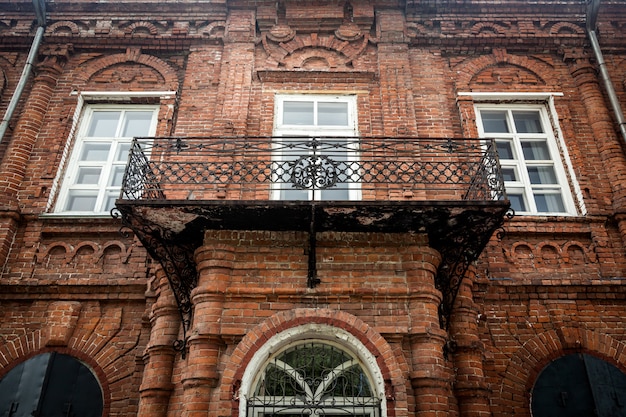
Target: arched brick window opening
<point>49,385</point>
<point>310,379</point>
<point>579,385</point>
<point>313,371</point>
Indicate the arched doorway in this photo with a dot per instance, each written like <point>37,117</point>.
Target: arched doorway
<point>50,385</point>
<point>579,385</point>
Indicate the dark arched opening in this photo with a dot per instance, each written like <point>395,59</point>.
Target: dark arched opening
<point>50,385</point>
<point>579,385</point>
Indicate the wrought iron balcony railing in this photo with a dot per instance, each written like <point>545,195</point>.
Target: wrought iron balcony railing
<point>312,168</point>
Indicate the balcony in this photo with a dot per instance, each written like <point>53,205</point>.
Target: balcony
<point>176,188</point>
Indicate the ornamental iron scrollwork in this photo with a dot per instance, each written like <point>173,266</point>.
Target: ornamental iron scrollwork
<point>314,173</point>
<point>459,248</point>
<point>160,168</point>
<point>175,257</point>
<point>250,169</point>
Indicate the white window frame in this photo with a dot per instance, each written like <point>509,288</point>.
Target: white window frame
<point>304,131</point>
<point>520,164</point>
<point>74,163</point>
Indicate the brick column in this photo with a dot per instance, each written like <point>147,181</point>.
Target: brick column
<point>156,385</point>
<point>470,386</point>
<point>430,375</point>
<point>18,153</point>
<point>215,264</point>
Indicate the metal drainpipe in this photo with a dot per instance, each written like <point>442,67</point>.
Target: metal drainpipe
<point>40,10</point>
<point>592,15</point>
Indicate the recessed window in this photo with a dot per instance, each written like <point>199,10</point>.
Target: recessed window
<point>96,166</point>
<point>315,148</point>
<point>534,177</point>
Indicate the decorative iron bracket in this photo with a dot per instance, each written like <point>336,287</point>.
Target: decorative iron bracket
<point>459,248</point>
<point>176,258</point>
<point>171,231</point>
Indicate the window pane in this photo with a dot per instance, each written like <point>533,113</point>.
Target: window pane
<point>332,114</point>
<point>88,175</point>
<point>95,151</point>
<point>109,202</point>
<point>509,174</point>
<point>535,150</point>
<point>137,123</point>
<point>332,194</point>
<point>294,194</point>
<point>505,151</point>
<point>122,152</point>
<point>542,175</point>
<point>517,201</point>
<point>117,174</point>
<point>298,113</point>
<point>552,203</point>
<point>103,123</point>
<point>81,202</point>
<point>527,122</point>
<point>494,121</point>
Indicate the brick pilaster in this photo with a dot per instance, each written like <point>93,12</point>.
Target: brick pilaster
<point>470,387</point>
<point>236,76</point>
<point>13,167</point>
<point>611,151</point>
<point>215,260</point>
<point>394,66</point>
<point>159,356</point>
<point>603,129</point>
<point>430,375</point>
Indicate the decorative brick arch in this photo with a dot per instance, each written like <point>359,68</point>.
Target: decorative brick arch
<point>132,56</point>
<point>527,363</point>
<point>467,71</point>
<point>386,360</point>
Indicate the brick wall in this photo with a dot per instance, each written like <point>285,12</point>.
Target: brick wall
<point>550,286</point>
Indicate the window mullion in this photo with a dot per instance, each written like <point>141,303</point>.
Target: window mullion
<point>103,189</point>
<point>524,177</point>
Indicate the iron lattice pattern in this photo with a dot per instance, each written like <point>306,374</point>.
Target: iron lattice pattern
<point>313,379</point>
<point>316,168</point>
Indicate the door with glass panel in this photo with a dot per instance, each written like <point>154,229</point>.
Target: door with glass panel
<point>534,177</point>
<point>315,148</point>
<point>94,174</point>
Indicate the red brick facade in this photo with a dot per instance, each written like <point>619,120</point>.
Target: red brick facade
<point>550,286</point>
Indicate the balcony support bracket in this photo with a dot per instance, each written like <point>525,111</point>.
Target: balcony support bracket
<point>172,230</point>
<point>176,258</point>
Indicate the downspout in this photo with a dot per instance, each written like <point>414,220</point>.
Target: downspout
<point>40,10</point>
<point>592,16</point>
